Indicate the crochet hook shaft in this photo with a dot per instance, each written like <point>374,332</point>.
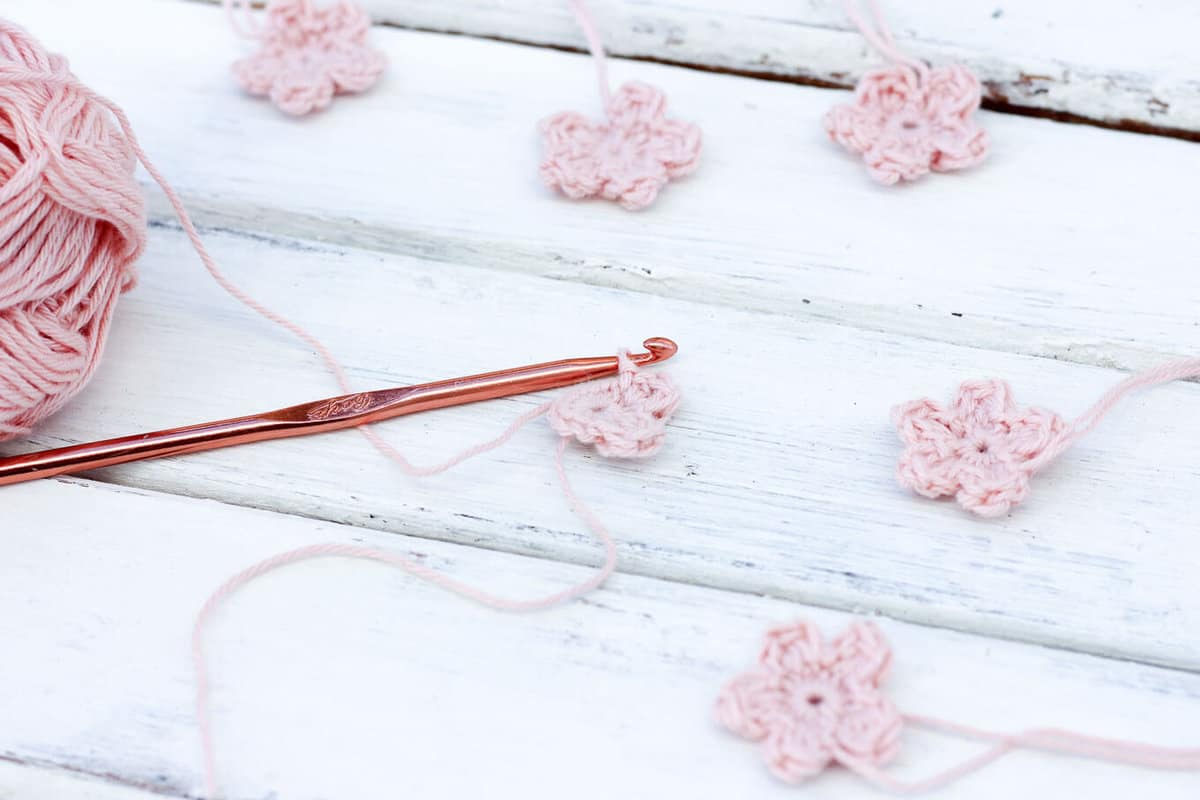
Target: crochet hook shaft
<point>334,413</point>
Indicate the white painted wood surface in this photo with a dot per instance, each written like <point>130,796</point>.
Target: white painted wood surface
<point>340,679</point>
<point>408,230</point>
<point>1121,63</point>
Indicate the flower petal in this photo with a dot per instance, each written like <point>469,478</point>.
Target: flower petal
<point>952,93</point>
<point>983,402</point>
<point>299,93</point>
<point>1034,430</point>
<point>793,648</point>
<point>676,145</point>
<point>749,704</point>
<point>993,494</point>
<point>868,732</point>
<point>795,751</point>
<point>636,104</point>
<point>862,656</point>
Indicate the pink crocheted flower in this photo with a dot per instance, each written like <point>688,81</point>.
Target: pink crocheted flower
<point>982,449</point>
<point>625,417</point>
<point>814,703</point>
<point>905,125</point>
<point>628,157</point>
<point>310,54</point>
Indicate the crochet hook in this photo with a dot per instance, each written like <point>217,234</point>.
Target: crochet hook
<point>330,414</point>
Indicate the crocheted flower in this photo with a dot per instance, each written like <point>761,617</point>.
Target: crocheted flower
<point>625,417</point>
<point>813,703</point>
<point>982,449</point>
<point>627,158</point>
<point>310,54</point>
<point>905,125</point>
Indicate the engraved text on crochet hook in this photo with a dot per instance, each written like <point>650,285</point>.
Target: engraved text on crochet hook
<point>342,405</point>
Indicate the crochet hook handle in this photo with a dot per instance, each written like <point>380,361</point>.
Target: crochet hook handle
<point>331,414</point>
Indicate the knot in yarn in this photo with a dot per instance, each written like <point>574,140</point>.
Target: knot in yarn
<point>628,157</point>
<point>981,449</point>
<point>309,54</point>
<point>624,417</point>
<point>72,224</point>
<point>813,703</point>
<point>905,122</point>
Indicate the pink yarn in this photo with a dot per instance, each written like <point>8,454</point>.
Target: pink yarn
<point>812,704</point>
<point>983,449</point>
<point>307,54</point>
<point>630,155</point>
<point>72,224</point>
<point>623,417</point>
<point>908,119</point>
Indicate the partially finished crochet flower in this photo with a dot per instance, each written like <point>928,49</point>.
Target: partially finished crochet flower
<point>628,157</point>
<point>905,124</point>
<point>814,703</point>
<point>625,417</point>
<point>981,449</point>
<point>308,55</point>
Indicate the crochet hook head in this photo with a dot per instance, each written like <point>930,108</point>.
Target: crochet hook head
<point>659,348</point>
<point>332,413</point>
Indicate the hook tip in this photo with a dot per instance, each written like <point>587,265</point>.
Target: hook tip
<point>661,348</point>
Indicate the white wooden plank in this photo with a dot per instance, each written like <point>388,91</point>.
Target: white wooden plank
<point>777,478</point>
<point>1119,63</point>
<point>1070,242</point>
<point>340,679</point>
<point>19,780</point>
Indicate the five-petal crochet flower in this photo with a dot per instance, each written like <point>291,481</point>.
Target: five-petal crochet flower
<point>310,54</point>
<point>982,449</point>
<point>814,703</point>
<point>625,417</point>
<point>628,157</point>
<point>905,123</point>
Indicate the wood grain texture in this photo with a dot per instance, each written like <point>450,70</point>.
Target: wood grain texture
<point>781,478</point>
<point>20,778</point>
<point>340,679</point>
<point>1115,63</point>
<point>1071,243</point>
<point>778,478</point>
<point>408,229</point>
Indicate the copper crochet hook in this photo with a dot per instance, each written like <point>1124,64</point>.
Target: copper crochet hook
<point>331,414</point>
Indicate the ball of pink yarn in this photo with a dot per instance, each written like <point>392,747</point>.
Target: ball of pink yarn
<point>72,224</point>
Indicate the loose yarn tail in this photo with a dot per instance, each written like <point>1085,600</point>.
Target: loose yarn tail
<point>1087,421</point>
<point>1052,740</point>
<point>879,36</point>
<point>587,24</point>
<point>408,565</point>
<point>241,18</point>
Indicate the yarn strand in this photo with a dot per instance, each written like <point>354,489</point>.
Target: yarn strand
<point>587,24</point>
<point>1051,740</point>
<point>408,565</point>
<point>879,35</point>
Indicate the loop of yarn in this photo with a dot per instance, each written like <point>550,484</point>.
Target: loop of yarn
<point>908,119</point>
<point>309,54</point>
<point>982,449</point>
<point>812,704</point>
<point>627,157</point>
<point>72,225</point>
<point>622,418</point>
